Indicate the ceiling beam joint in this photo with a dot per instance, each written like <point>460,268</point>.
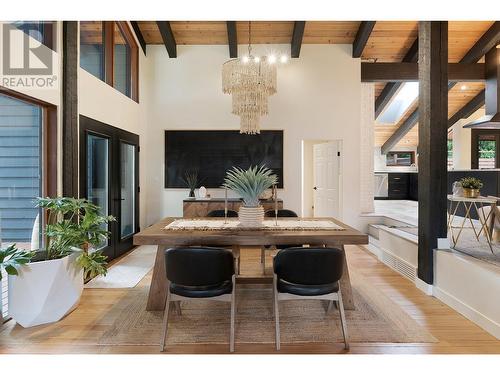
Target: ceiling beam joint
<point>138,34</point>
<point>232,39</point>
<point>168,38</point>
<point>298,34</point>
<point>362,36</point>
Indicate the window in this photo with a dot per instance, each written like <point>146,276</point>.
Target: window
<point>28,163</point>
<point>92,48</point>
<point>404,98</point>
<point>43,31</point>
<point>108,51</point>
<point>400,158</point>
<point>450,149</point>
<point>485,153</point>
<point>121,62</point>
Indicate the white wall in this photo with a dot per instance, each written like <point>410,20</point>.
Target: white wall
<point>462,142</point>
<point>318,98</point>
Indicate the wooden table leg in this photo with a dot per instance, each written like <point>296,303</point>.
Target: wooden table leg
<point>158,288</point>
<point>345,285</point>
<point>236,253</point>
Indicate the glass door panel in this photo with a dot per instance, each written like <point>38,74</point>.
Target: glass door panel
<point>109,178</point>
<point>127,173</point>
<point>98,175</point>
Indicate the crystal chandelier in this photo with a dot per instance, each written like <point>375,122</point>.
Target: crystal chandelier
<point>250,80</point>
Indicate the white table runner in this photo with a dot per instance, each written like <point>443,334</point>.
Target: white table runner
<point>270,224</point>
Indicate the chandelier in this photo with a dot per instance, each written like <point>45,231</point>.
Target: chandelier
<point>250,80</point>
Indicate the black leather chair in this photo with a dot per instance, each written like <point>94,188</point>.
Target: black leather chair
<point>220,213</point>
<point>281,213</point>
<point>235,249</point>
<point>308,273</point>
<point>269,214</point>
<point>199,272</point>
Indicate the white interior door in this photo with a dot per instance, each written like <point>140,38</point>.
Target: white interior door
<point>326,173</point>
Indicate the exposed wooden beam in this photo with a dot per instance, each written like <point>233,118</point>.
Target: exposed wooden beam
<point>168,38</point>
<point>400,132</point>
<point>138,34</point>
<point>467,110</point>
<point>392,88</point>
<point>480,48</point>
<point>432,140</point>
<point>408,72</point>
<point>489,40</point>
<point>298,33</point>
<point>232,39</point>
<point>364,31</point>
<point>70,109</point>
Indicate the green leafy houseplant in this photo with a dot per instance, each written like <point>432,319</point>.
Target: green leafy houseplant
<point>12,257</point>
<point>75,225</point>
<point>250,183</point>
<point>471,183</point>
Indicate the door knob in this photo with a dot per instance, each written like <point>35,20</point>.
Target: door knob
<point>315,188</point>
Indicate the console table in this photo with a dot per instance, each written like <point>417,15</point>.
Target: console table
<point>201,207</point>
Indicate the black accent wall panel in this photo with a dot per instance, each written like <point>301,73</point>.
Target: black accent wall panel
<point>213,152</point>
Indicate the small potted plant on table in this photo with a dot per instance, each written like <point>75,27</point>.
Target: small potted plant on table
<point>50,285</point>
<point>471,187</point>
<point>250,184</point>
<point>191,180</point>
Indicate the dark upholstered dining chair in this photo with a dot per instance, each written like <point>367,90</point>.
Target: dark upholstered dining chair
<point>270,214</point>
<point>199,272</point>
<point>281,213</point>
<point>308,273</point>
<point>235,249</point>
<point>220,213</point>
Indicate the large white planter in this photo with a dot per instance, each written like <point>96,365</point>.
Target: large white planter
<point>251,216</point>
<point>44,292</point>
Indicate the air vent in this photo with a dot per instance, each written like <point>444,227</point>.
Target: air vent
<point>398,265</point>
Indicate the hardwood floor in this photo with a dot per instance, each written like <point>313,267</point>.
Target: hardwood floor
<point>79,331</point>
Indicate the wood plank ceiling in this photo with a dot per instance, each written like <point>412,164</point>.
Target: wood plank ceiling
<point>389,42</point>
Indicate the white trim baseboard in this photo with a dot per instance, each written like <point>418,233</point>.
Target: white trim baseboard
<point>473,315</point>
<point>424,287</point>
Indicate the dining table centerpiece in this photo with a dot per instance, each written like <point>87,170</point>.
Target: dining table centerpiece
<point>250,184</point>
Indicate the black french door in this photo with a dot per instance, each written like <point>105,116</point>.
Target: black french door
<point>109,178</point>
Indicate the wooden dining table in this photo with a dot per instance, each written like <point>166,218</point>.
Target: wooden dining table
<point>163,238</point>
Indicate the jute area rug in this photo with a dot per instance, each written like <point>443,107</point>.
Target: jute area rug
<point>376,319</point>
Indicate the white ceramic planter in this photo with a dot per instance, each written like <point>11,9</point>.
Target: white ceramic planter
<point>251,216</point>
<point>44,292</point>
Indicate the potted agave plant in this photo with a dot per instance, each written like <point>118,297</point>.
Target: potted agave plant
<point>250,184</point>
<point>50,285</point>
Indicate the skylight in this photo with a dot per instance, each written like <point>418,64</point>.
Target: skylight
<point>400,104</point>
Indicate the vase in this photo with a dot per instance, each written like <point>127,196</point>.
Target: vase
<point>251,216</point>
<point>191,193</point>
<point>46,291</point>
<point>471,193</point>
